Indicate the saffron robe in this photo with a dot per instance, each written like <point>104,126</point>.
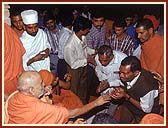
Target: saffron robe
<point>13,52</point>
<point>152,55</point>
<point>23,109</point>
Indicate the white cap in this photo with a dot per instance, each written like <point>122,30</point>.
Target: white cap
<point>29,17</point>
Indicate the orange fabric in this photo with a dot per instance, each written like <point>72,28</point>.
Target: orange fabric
<point>6,116</point>
<point>67,98</point>
<point>152,119</point>
<point>154,20</point>
<point>47,77</point>
<point>123,115</point>
<point>161,99</point>
<point>13,52</point>
<point>23,109</point>
<point>152,55</point>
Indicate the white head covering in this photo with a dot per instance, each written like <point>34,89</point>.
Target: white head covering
<point>29,17</point>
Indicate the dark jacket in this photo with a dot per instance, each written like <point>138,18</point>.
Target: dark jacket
<point>143,85</point>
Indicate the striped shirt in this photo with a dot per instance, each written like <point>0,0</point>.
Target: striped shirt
<point>96,37</point>
<point>126,45</point>
<point>53,40</point>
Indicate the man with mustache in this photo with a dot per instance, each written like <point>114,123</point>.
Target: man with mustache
<point>52,32</point>
<point>152,45</point>
<point>17,22</point>
<point>139,91</point>
<point>35,43</point>
<point>95,38</point>
<point>107,69</point>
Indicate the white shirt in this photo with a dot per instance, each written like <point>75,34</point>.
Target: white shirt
<point>64,35</point>
<point>76,51</point>
<point>111,71</point>
<point>147,101</point>
<point>33,45</point>
<point>137,52</point>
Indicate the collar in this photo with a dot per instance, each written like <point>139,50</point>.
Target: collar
<point>131,84</point>
<point>67,29</point>
<point>115,58</point>
<point>30,36</point>
<point>78,40</point>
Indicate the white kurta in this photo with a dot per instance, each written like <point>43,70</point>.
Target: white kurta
<point>33,45</point>
<point>111,71</point>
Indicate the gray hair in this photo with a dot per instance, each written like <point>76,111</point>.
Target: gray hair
<point>27,80</point>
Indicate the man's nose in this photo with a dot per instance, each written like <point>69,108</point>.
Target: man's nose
<point>121,75</point>
<point>99,23</point>
<point>139,35</point>
<point>33,30</point>
<point>18,23</point>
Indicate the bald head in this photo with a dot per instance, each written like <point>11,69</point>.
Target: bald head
<point>28,79</point>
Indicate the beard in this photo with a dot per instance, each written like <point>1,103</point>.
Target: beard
<point>33,33</point>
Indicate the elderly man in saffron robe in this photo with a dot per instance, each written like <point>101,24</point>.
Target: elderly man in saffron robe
<point>25,107</point>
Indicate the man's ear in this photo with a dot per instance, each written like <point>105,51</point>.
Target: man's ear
<point>136,73</point>
<point>112,56</point>
<point>92,20</point>
<point>151,30</point>
<point>31,90</point>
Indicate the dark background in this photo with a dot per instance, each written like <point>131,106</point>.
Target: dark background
<point>111,11</point>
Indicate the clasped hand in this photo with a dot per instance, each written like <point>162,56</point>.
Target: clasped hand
<point>118,93</point>
<point>102,86</point>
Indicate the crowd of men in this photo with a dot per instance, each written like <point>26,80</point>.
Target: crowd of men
<point>53,68</point>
